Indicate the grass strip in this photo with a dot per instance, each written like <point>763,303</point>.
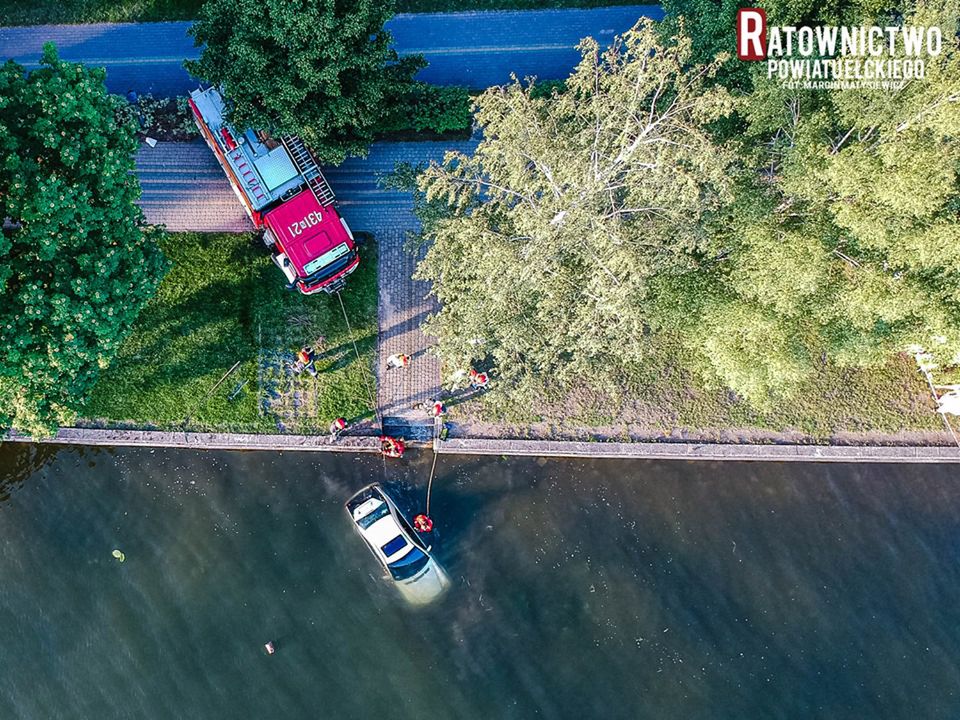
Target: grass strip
<point>224,302</point>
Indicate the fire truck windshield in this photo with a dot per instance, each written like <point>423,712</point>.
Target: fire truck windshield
<point>325,259</point>
<point>331,269</point>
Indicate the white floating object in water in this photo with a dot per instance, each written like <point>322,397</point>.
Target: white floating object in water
<point>119,555</point>
<point>270,648</point>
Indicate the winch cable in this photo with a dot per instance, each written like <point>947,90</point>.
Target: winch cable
<point>376,407</point>
<point>366,379</point>
<point>433,471</point>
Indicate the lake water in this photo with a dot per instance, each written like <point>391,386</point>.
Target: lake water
<point>580,589</point>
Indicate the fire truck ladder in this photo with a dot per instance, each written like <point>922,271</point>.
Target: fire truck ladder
<point>308,167</point>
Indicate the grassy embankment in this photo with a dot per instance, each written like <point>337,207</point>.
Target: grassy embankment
<point>669,400</point>
<point>222,302</point>
<point>38,12</point>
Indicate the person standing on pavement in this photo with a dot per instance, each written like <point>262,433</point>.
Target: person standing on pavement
<point>399,360</point>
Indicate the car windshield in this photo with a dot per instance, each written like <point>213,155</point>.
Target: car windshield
<point>367,520</point>
<point>409,565</point>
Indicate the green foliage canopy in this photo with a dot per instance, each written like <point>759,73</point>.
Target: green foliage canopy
<point>429,108</point>
<point>321,69</point>
<point>838,244</point>
<point>849,229</point>
<point>570,205</point>
<point>824,230</point>
<point>76,266</point>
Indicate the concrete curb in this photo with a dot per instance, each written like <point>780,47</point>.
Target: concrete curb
<point>692,451</point>
<point>529,448</point>
<point>204,441</point>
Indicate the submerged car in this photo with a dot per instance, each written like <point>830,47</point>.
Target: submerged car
<point>397,546</point>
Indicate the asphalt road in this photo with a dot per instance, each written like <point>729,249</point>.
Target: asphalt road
<point>478,49</point>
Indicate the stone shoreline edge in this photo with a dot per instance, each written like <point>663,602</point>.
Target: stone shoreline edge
<point>534,448</point>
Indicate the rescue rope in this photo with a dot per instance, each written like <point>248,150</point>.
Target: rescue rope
<point>376,407</point>
<point>371,395</point>
<point>430,481</point>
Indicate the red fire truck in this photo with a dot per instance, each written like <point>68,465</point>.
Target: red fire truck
<point>285,194</point>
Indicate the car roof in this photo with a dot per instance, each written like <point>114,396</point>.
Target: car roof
<point>384,532</point>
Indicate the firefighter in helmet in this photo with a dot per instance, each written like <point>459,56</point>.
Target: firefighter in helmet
<point>392,447</point>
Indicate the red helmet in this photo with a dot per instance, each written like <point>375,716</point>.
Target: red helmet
<point>422,524</point>
<point>391,447</point>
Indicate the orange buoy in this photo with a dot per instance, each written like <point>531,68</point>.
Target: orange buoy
<point>422,524</point>
<point>392,447</point>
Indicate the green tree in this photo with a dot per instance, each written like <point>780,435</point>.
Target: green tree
<point>824,232</point>
<point>745,319</point>
<point>76,266</point>
<point>321,69</point>
<point>842,242</point>
<point>569,207</point>
<point>873,178</point>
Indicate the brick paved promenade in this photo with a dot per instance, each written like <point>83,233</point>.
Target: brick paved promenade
<point>185,189</point>
<point>404,304</point>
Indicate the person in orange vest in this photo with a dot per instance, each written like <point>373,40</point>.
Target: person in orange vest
<point>422,524</point>
<point>305,356</point>
<point>478,380</point>
<point>397,361</point>
<point>392,447</point>
<point>337,427</point>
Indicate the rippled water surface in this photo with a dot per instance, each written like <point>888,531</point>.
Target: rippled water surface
<point>580,589</point>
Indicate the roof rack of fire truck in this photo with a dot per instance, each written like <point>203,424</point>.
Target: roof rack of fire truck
<point>308,168</point>
<point>264,168</point>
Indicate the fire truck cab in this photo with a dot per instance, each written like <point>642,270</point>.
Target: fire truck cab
<point>286,196</point>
